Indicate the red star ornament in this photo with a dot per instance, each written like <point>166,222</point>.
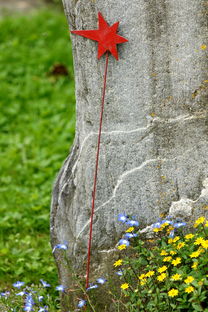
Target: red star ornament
<point>106,36</point>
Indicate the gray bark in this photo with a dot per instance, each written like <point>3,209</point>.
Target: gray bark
<point>155,129</point>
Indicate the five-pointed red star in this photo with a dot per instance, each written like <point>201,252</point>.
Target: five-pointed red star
<point>106,36</point>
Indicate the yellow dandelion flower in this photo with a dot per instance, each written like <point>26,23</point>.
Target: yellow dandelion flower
<point>203,47</point>
<point>129,230</point>
<point>172,252</point>
<point>189,236</point>
<point>176,261</point>
<point>194,265</point>
<point>175,239</point>
<point>180,245</point>
<point>143,282</point>
<point>173,292</point>
<point>156,230</point>
<point>169,229</point>
<point>198,241</point>
<point>170,240</point>
<point>189,279</point>
<point>150,273</point>
<point>205,244</point>
<point>164,225</point>
<point>142,276</point>
<point>176,277</point>
<point>206,224</point>
<point>162,269</point>
<point>161,277</point>
<point>189,289</point>
<point>201,250</point>
<point>118,262</point>
<point>199,221</point>
<point>167,259</point>
<point>163,253</point>
<point>195,254</point>
<point>121,247</point>
<point>125,286</point>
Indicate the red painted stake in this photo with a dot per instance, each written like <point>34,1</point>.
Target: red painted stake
<point>107,39</point>
<point>96,172</point>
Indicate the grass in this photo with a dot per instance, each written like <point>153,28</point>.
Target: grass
<point>37,118</point>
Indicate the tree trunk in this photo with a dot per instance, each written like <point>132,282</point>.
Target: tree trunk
<point>155,129</point>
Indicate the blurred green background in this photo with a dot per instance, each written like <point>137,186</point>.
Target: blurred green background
<point>37,121</point>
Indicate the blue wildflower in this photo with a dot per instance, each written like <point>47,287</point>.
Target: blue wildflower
<point>166,221</point>
<point>179,224</point>
<point>45,309</point>
<point>130,235</point>
<point>60,288</point>
<point>124,242</point>
<point>132,223</point>
<point>156,225</point>
<point>160,222</point>
<point>81,303</point>
<point>40,298</point>
<point>29,302</point>
<point>18,284</point>
<point>21,293</point>
<point>119,273</point>
<point>45,284</point>
<point>60,246</point>
<point>5,294</point>
<point>29,299</point>
<point>122,218</point>
<point>172,233</point>
<point>28,308</point>
<point>101,280</point>
<point>92,286</point>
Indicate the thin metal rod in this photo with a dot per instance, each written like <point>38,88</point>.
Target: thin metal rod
<point>96,172</point>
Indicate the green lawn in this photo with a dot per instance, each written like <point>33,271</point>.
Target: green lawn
<point>37,118</point>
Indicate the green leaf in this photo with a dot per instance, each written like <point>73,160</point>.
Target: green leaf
<point>197,307</point>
